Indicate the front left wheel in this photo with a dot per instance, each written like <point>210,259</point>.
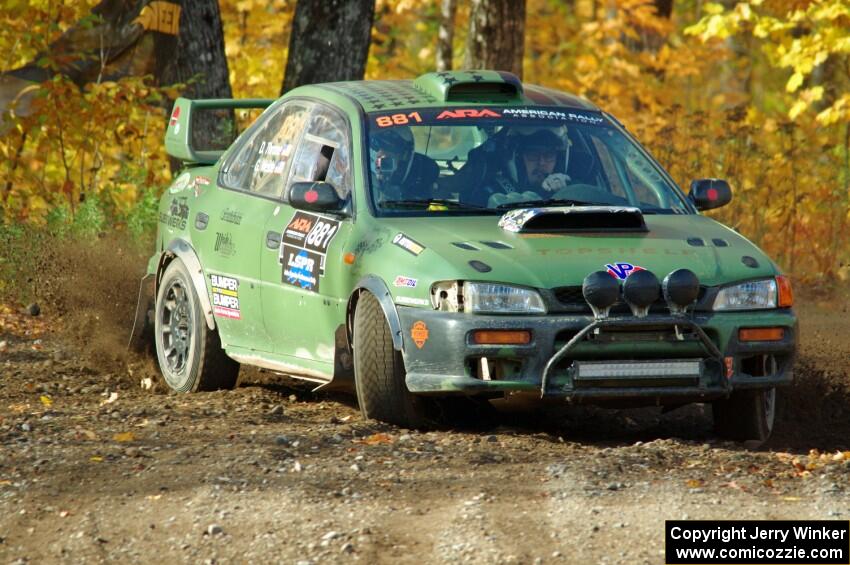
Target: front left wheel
<point>189,353</point>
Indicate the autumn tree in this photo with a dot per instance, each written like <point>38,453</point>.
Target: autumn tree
<point>118,38</point>
<point>329,41</point>
<point>496,35</point>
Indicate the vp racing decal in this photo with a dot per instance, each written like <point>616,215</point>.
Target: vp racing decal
<point>225,292</point>
<point>411,246</point>
<point>304,247</point>
<point>622,271</point>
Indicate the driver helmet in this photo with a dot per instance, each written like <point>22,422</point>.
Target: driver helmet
<point>542,143</point>
<point>391,154</point>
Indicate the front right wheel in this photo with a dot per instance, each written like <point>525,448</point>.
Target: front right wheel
<point>379,370</point>
<point>747,415</point>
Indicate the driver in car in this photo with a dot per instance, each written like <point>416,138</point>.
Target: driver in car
<point>536,170</point>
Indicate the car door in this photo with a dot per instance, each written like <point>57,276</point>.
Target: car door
<point>304,294</point>
<point>251,181</point>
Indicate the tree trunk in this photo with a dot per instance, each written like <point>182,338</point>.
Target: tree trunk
<point>199,56</point>
<point>199,60</point>
<point>664,8</point>
<point>446,35</point>
<point>329,41</point>
<point>496,35</point>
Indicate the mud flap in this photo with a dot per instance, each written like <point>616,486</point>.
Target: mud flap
<point>343,378</point>
<point>142,333</point>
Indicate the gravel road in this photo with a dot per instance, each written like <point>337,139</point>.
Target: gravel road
<point>95,468</point>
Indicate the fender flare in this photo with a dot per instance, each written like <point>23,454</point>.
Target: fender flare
<point>378,288</point>
<point>182,250</point>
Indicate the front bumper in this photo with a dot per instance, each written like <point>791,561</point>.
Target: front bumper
<point>441,358</point>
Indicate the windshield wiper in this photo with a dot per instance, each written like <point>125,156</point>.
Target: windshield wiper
<point>548,202</point>
<point>435,201</point>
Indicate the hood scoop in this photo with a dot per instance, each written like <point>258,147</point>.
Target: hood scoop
<point>573,219</point>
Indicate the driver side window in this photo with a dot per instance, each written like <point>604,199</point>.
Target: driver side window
<point>261,165</point>
<point>324,152</point>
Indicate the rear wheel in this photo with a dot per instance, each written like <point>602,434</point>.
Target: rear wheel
<point>379,370</point>
<point>747,415</point>
<point>189,353</point>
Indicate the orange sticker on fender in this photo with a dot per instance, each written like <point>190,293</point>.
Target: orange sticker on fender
<point>419,333</point>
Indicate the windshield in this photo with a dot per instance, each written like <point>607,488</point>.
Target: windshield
<point>488,160</point>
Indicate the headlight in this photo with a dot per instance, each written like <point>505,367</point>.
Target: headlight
<point>753,295</point>
<point>492,298</point>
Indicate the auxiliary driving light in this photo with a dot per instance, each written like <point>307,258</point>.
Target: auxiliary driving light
<point>601,291</point>
<point>640,290</point>
<point>680,288</point>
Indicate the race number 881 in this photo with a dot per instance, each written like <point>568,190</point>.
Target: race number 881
<point>321,235</point>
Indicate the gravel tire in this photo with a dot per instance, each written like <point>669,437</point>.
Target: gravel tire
<point>746,415</point>
<point>379,370</point>
<point>190,355</point>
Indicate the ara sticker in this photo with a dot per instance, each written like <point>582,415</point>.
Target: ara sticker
<point>468,113</point>
<point>408,244</point>
<point>225,292</point>
<point>405,282</point>
<point>622,270</point>
<point>419,333</point>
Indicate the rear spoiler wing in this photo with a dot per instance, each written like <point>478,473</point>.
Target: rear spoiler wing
<point>179,133</point>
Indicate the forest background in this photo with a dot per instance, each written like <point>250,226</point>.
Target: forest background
<point>754,92</point>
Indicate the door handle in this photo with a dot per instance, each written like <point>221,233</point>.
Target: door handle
<point>273,240</point>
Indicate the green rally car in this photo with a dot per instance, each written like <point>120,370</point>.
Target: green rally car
<point>457,237</point>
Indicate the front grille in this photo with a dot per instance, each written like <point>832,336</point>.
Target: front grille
<point>570,299</point>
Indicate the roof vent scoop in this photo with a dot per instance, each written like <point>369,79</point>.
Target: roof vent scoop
<point>471,86</point>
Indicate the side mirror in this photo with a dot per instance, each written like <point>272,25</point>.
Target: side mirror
<point>707,194</point>
<point>316,196</point>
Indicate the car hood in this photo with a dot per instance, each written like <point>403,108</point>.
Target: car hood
<point>477,248</point>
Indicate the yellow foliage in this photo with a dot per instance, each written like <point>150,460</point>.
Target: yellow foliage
<point>756,93</point>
